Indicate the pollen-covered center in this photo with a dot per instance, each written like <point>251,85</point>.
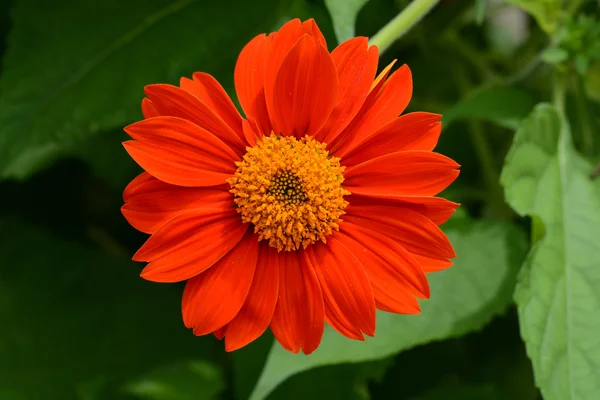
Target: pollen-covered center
<point>291,191</point>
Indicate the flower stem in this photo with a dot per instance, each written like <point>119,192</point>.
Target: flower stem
<point>402,23</point>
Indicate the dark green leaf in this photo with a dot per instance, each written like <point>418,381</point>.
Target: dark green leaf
<point>67,76</point>
<point>502,105</point>
<point>190,380</point>
<point>77,321</point>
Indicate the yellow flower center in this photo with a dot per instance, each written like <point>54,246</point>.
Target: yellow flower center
<point>290,190</point>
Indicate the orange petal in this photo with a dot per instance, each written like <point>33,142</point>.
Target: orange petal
<point>298,320</point>
<point>256,313</point>
<point>347,294</point>
<point>148,109</point>
<point>220,333</point>
<point>395,276</point>
<point>415,232</point>
<point>251,131</point>
<point>149,202</point>
<point>190,243</point>
<point>213,298</point>
<point>305,90</point>
<point>378,110</point>
<point>175,102</point>
<point>179,152</point>
<point>249,77</point>
<point>436,209</point>
<point>210,92</point>
<point>414,131</point>
<point>432,264</point>
<point>416,173</point>
<point>310,28</point>
<point>281,42</point>
<point>356,64</point>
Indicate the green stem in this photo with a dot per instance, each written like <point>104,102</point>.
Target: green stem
<point>559,92</point>
<point>584,117</point>
<point>402,23</point>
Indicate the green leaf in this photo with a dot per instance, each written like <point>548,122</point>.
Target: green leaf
<point>76,321</point>
<point>190,380</point>
<point>68,76</point>
<point>546,12</point>
<point>555,55</point>
<point>504,106</point>
<point>464,298</point>
<point>480,6</point>
<point>343,14</point>
<point>558,291</point>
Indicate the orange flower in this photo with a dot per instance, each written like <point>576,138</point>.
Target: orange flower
<point>318,207</point>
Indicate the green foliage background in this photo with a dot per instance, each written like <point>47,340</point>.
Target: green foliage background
<point>516,317</point>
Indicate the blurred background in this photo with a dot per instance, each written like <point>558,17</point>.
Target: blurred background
<point>77,321</point>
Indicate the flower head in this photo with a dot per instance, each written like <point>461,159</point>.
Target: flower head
<point>318,206</point>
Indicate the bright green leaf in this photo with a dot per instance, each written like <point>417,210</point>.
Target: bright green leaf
<point>67,76</point>
<point>343,14</point>
<point>480,6</point>
<point>558,293</point>
<point>546,12</point>
<point>189,380</point>
<point>502,105</point>
<point>76,321</point>
<point>555,55</point>
<point>464,298</point>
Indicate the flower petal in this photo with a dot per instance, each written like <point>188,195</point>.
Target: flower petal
<point>281,42</point>
<point>172,101</point>
<point>251,131</point>
<point>414,131</point>
<point>389,255</point>
<point>356,64</point>
<point>415,173</point>
<point>298,320</point>
<point>210,92</point>
<point>213,298</point>
<point>305,90</point>
<point>415,232</point>
<point>190,243</point>
<point>179,152</point>
<point>378,110</point>
<point>149,202</point>
<point>249,77</point>
<point>256,313</point>
<point>437,209</point>
<point>432,264</point>
<point>310,28</point>
<point>220,333</point>
<point>395,276</point>
<point>347,294</point>
<point>148,109</point>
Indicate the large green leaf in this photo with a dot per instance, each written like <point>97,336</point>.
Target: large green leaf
<point>343,14</point>
<point>558,292</point>
<point>76,321</point>
<point>546,12</point>
<point>464,298</point>
<point>74,68</point>
<point>502,105</point>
